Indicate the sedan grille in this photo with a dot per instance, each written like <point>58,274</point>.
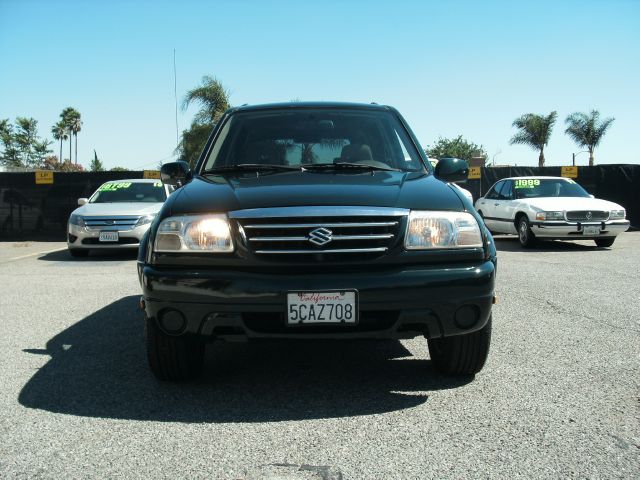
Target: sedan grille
<point>587,216</point>
<point>330,231</point>
<point>124,222</point>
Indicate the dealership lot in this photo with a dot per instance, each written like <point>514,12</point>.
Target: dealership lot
<point>557,398</point>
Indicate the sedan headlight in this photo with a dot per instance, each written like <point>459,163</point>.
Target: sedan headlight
<point>617,214</point>
<point>427,229</point>
<point>194,233</point>
<point>76,220</point>
<point>550,216</point>
<point>144,220</point>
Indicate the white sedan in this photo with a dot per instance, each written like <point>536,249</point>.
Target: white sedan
<point>116,216</point>
<point>550,208</point>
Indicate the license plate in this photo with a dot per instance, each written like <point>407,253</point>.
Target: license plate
<point>322,307</point>
<point>108,237</point>
<point>591,230</point>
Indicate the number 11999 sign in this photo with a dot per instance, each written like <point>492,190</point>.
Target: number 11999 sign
<point>321,307</point>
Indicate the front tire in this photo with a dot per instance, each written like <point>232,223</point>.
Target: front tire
<point>78,252</point>
<point>173,358</point>
<point>525,235</point>
<point>604,242</point>
<point>461,354</point>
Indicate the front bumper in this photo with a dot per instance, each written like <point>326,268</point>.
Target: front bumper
<point>575,230</point>
<point>85,238</point>
<point>434,301</point>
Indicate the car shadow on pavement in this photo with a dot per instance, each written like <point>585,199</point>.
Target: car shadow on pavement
<point>94,256</point>
<point>98,368</point>
<point>512,244</point>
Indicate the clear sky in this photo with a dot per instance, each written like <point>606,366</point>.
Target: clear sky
<point>451,67</point>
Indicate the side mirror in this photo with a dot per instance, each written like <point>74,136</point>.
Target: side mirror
<point>82,201</point>
<point>175,173</point>
<point>452,170</point>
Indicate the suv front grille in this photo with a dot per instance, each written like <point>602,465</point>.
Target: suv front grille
<point>587,216</point>
<point>320,231</point>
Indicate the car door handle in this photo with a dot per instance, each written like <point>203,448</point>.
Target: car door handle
<point>496,204</point>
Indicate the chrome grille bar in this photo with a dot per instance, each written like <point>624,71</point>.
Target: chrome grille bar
<point>337,250</point>
<point>381,236</point>
<point>322,224</point>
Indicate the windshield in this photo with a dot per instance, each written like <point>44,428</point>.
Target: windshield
<point>312,137</point>
<point>548,187</point>
<point>121,192</point>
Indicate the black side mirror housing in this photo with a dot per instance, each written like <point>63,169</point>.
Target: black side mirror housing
<point>175,173</point>
<point>452,170</point>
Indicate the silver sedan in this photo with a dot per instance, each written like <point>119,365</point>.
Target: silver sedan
<point>116,216</point>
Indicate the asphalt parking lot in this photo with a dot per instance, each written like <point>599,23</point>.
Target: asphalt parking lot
<point>559,396</point>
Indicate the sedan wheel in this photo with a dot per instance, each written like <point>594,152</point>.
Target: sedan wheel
<point>525,235</point>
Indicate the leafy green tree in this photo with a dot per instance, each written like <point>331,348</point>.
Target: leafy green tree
<point>587,130</point>
<point>534,131</point>
<point>10,156</point>
<point>119,169</point>
<point>455,147</point>
<point>213,99</point>
<point>96,164</point>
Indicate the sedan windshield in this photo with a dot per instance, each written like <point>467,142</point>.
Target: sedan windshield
<point>548,187</point>
<point>313,138</point>
<point>125,192</point>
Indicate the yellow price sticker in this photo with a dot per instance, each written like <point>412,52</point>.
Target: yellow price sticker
<point>569,172</point>
<point>151,174</point>
<point>475,173</point>
<point>44,177</point>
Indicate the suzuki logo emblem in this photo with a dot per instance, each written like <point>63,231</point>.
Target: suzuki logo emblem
<point>589,215</point>
<point>320,236</point>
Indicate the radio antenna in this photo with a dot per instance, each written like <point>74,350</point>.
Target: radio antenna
<point>175,94</point>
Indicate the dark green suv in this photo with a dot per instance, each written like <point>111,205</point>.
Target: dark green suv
<point>316,221</point>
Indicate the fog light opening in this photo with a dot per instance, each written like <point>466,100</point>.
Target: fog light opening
<point>172,321</point>
<point>467,316</point>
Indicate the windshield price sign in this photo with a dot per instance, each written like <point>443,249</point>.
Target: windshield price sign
<point>527,183</point>
<point>44,177</point>
<point>569,172</point>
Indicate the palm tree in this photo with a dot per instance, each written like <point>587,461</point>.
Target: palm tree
<point>535,131</point>
<point>76,126</point>
<point>214,101</point>
<point>213,98</point>
<point>59,133</point>
<point>71,119</point>
<point>587,130</point>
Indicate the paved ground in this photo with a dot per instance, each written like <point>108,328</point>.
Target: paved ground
<point>558,397</point>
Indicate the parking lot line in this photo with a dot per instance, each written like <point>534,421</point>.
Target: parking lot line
<point>44,252</point>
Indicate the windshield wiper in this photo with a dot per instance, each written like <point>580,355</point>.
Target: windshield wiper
<point>347,165</point>
<point>251,167</point>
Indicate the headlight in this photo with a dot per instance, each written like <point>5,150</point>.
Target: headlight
<point>617,215</point>
<point>145,220</point>
<point>550,216</point>
<point>76,220</point>
<point>442,230</point>
<point>194,233</point>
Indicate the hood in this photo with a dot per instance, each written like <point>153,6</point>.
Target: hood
<point>223,193</point>
<point>570,203</point>
<point>107,209</point>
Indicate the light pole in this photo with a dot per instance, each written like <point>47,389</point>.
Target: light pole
<point>575,155</point>
<point>493,159</point>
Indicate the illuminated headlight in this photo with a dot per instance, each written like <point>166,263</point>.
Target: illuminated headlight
<point>617,215</point>
<point>76,220</point>
<point>194,233</point>
<point>549,216</point>
<point>442,230</point>
<point>144,220</point>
